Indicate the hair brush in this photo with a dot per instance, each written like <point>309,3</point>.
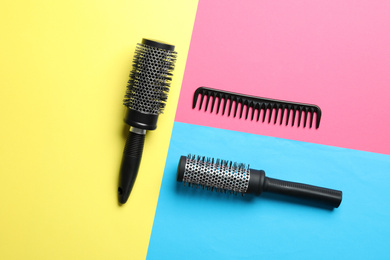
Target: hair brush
<point>146,94</point>
<point>227,176</point>
<point>258,104</point>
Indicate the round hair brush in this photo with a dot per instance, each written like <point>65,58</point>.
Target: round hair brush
<point>226,176</point>
<point>146,94</point>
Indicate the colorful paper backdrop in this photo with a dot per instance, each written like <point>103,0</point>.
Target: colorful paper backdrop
<point>64,66</point>
<point>334,54</point>
<point>194,223</point>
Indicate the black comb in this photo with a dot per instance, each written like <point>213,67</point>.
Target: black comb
<point>257,104</point>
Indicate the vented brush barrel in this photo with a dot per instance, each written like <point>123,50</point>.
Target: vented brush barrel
<point>147,92</point>
<point>233,177</point>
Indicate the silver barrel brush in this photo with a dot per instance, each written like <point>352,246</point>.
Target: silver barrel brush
<point>222,175</point>
<point>146,94</point>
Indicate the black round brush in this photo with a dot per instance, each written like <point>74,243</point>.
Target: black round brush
<point>228,176</point>
<point>145,98</point>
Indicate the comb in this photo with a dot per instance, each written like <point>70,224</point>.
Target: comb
<point>257,104</point>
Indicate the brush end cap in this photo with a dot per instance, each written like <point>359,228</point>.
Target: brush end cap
<point>158,44</point>
<point>181,168</point>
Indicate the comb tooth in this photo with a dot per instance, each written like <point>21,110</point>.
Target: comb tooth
<point>300,116</point>
<point>265,111</point>
<point>318,117</point>
<point>248,105</point>
<point>212,105</point>
<point>242,108</point>
<point>259,106</point>
<point>306,112</point>
<point>276,112</point>
<point>202,94</point>
<point>311,116</point>
<point>281,116</point>
<point>253,106</point>
<point>238,101</point>
<point>225,100</point>
<point>219,102</point>
<point>288,113</point>
<point>294,109</point>
<point>270,113</point>
<point>231,99</point>
<point>196,95</point>
<point>207,102</point>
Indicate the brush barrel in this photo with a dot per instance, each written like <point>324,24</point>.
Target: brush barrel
<point>130,162</point>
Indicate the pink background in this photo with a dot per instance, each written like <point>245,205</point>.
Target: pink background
<point>335,54</point>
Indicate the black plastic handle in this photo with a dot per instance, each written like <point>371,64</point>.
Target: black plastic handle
<point>130,163</point>
<point>328,197</point>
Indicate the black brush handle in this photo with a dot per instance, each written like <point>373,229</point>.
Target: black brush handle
<point>130,163</point>
<point>328,197</point>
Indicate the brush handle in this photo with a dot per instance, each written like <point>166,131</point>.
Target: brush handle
<point>328,197</point>
<point>130,163</point>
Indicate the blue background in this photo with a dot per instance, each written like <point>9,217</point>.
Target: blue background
<point>193,223</point>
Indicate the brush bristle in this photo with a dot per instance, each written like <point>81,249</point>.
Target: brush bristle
<point>216,174</point>
<point>150,79</point>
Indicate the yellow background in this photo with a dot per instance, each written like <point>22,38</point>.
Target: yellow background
<point>64,66</point>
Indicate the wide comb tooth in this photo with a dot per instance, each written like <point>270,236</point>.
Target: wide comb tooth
<point>207,101</point>
<point>219,102</point>
<point>288,113</point>
<point>294,109</point>
<point>281,115</point>
<point>238,101</point>
<point>318,116</point>
<point>259,108</point>
<point>197,93</point>
<point>270,112</point>
<point>276,112</point>
<point>242,107</point>
<point>225,100</point>
<point>300,115</point>
<point>253,110</point>
<point>231,99</point>
<point>265,111</point>
<point>248,105</point>
<point>305,119</point>
<point>212,105</point>
<point>311,116</point>
<point>201,100</point>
